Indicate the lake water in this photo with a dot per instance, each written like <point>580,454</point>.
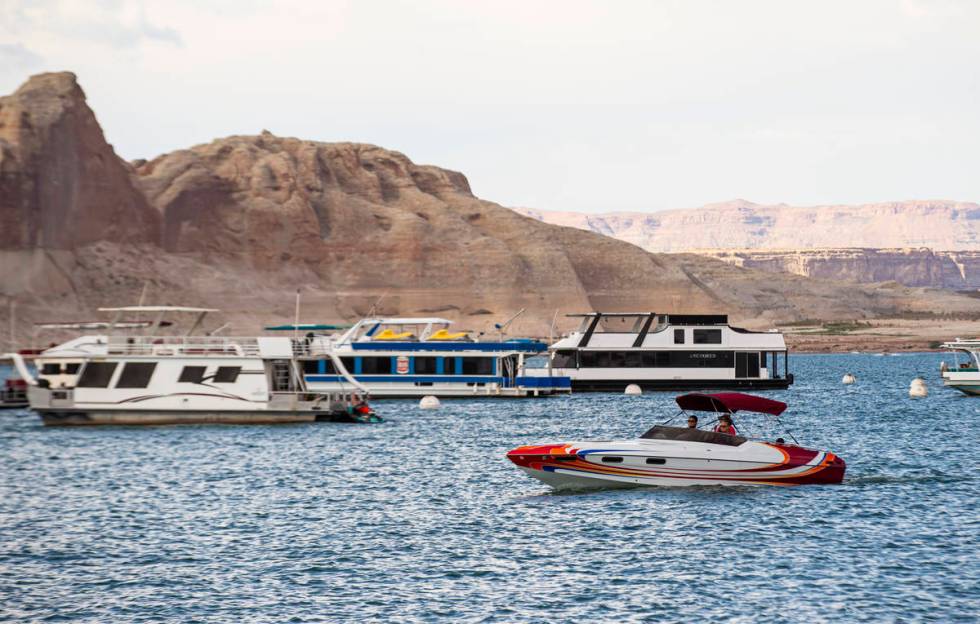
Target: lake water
<point>423,519</point>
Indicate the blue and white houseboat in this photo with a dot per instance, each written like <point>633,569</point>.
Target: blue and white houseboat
<point>415,357</point>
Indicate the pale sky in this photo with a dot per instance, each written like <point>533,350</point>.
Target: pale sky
<point>563,105</point>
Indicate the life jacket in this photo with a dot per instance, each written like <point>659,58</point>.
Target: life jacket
<point>731,430</point>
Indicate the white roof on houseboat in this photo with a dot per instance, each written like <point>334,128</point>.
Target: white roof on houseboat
<point>158,309</point>
<point>412,321</point>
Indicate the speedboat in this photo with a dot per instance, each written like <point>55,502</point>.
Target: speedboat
<point>681,456</point>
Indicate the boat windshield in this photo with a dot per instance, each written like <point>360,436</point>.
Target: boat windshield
<point>684,434</point>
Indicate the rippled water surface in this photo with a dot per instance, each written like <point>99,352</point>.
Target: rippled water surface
<point>422,517</point>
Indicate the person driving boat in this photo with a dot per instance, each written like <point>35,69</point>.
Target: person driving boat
<point>725,425</point>
<point>692,422</point>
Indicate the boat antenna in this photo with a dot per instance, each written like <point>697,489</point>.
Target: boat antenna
<point>551,331</point>
<point>214,332</point>
<point>13,325</point>
<point>374,306</point>
<point>296,319</point>
<point>146,286</point>
<point>502,327</point>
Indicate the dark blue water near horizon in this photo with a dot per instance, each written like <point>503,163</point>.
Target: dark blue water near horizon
<point>422,518</point>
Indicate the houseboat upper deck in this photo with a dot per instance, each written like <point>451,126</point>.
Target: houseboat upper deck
<point>669,352</point>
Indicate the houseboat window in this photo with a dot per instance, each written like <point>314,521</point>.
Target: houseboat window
<point>563,359</point>
<point>634,359</point>
<point>227,374</point>
<point>376,366</point>
<point>136,375</point>
<point>72,368</point>
<point>477,366</point>
<point>657,359</point>
<point>678,336</point>
<point>425,366</point>
<point>702,359</point>
<point>348,363</point>
<point>51,369</point>
<point>192,374</point>
<point>449,366</point>
<point>707,336</point>
<point>311,367</point>
<point>97,375</point>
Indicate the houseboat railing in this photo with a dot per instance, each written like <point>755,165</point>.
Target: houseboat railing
<point>215,346</point>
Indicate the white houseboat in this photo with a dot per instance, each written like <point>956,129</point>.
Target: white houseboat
<point>148,379</point>
<point>963,376</point>
<point>610,351</point>
<point>414,357</point>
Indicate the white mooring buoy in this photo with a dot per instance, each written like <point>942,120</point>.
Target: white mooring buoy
<point>429,402</point>
<point>633,390</point>
<point>918,388</point>
<point>848,379</point>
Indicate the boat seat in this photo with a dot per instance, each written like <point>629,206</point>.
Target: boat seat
<point>443,334</point>
<point>684,434</point>
<point>388,334</point>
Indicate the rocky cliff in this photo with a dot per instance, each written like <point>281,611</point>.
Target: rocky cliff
<point>940,224</point>
<point>244,222</point>
<point>957,270</point>
<point>61,184</point>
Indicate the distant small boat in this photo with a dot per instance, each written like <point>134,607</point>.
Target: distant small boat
<point>963,376</point>
<point>13,394</point>
<point>681,456</point>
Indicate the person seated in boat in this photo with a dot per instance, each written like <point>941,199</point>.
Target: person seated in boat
<point>725,425</point>
<point>692,422</point>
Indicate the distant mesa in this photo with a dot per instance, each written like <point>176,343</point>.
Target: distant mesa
<point>916,243</point>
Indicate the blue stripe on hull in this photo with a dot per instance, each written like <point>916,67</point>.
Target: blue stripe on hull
<point>415,347</point>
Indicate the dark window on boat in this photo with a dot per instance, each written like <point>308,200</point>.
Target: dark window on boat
<point>376,366</point>
<point>311,367</point>
<point>563,359</point>
<point>617,359</point>
<point>477,366</point>
<point>587,359</point>
<point>678,336</point>
<point>425,366</point>
<point>656,460</point>
<point>192,374</point>
<point>136,375</point>
<point>707,336</point>
<point>51,369</point>
<point>634,359</point>
<point>701,359</point>
<point>449,366</point>
<point>612,460</point>
<point>227,374</point>
<point>72,368</point>
<point>97,375</point>
<point>348,363</point>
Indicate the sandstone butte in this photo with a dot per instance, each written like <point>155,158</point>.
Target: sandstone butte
<point>244,222</point>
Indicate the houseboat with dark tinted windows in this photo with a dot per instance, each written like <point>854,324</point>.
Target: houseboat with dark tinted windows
<point>655,351</point>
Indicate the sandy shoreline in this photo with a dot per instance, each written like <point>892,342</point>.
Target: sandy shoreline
<point>882,335</point>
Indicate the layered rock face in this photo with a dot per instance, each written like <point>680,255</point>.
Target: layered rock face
<point>365,221</point>
<point>958,270</point>
<point>61,184</point>
<point>245,222</point>
<point>943,225</point>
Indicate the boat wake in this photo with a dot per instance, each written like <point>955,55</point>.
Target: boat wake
<point>887,479</point>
